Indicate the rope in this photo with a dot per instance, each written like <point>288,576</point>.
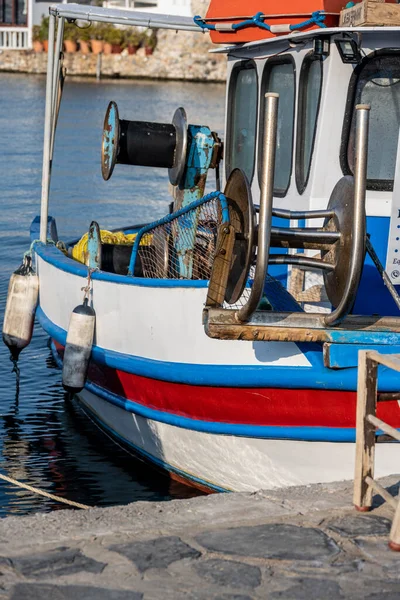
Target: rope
<point>29,252</point>
<point>43,493</point>
<point>86,288</point>
<point>258,20</point>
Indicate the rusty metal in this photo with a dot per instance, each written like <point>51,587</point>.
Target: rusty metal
<point>358,219</point>
<point>243,220</point>
<point>342,204</point>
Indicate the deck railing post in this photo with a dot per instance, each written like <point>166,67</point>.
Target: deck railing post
<point>367,424</point>
<point>365,431</point>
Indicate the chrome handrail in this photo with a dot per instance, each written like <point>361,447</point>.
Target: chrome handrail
<point>265,220</point>
<point>359,223</point>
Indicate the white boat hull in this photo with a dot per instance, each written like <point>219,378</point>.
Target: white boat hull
<point>232,463</point>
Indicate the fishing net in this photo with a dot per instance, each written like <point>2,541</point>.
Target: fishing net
<point>182,245</point>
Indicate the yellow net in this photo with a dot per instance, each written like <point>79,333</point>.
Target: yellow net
<point>80,250</point>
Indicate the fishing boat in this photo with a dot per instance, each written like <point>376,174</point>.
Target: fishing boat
<point>221,342</point>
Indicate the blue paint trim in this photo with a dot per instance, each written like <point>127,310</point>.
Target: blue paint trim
<point>56,258</point>
<point>373,296</point>
<point>34,231</point>
<point>157,461</point>
<point>226,375</point>
<point>342,356</point>
<point>306,434</point>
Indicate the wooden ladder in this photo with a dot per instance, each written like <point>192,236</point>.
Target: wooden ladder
<point>366,425</point>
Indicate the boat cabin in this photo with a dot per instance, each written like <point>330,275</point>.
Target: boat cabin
<point>321,76</point>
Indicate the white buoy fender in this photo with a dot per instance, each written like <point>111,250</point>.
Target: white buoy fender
<point>78,347</point>
<point>19,316</point>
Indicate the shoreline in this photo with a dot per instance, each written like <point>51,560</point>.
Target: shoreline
<point>293,543</point>
<point>178,57</point>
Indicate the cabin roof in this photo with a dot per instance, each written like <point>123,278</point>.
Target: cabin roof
<point>123,17</point>
<point>154,20</point>
<point>295,36</point>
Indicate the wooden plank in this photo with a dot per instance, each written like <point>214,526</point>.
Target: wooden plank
<point>388,429</point>
<point>394,538</point>
<point>370,13</point>
<point>379,489</point>
<point>254,333</point>
<point>390,361</point>
<point>300,327</point>
<point>365,431</point>
<point>388,396</point>
<point>353,323</point>
<point>221,266</point>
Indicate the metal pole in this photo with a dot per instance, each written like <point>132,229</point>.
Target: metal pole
<point>359,225</point>
<point>57,89</point>
<point>44,209</point>
<point>265,219</point>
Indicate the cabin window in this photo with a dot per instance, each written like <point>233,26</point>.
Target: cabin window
<point>279,77</point>
<point>309,99</point>
<point>242,119</point>
<point>13,12</point>
<point>376,82</point>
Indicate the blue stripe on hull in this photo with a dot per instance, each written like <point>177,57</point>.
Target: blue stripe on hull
<point>306,434</point>
<point>315,377</point>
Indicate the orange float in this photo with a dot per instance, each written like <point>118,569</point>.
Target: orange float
<point>278,15</point>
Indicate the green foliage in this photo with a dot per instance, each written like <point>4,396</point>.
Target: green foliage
<point>36,33</point>
<point>84,34</point>
<point>44,29</point>
<point>97,31</point>
<point>150,39</point>
<point>132,37</point>
<point>71,32</point>
<point>114,36</point>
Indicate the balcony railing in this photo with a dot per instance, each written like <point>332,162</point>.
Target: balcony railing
<point>15,38</point>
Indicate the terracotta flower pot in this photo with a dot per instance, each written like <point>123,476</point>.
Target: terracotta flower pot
<point>45,45</point>
<point>116,49</point>
<point>84,47</point>
<point>132,49</point>
<point>70,46</point>
<point>107,48</point>
<point>37,46</point>
<point>97,46</point>
<point>148,51</point>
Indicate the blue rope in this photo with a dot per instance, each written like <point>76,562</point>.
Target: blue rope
<point>317,18</point>
<point>167,219</point>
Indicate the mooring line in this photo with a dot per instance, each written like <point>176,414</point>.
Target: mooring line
<point>43,493</point>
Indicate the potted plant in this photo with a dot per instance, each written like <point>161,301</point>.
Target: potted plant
<point>96,34</point>
<point>113,39</point>
<point>71,34</point>
<point>36,42</point>
<point>84,40</point>
<point>44,33</point>
<point>132,40</point>
<point>150,42</point>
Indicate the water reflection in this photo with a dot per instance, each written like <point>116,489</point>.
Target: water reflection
<point>45,439</point>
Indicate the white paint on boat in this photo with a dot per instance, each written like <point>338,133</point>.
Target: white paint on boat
<point>237,463</point>
<point>159,323</point>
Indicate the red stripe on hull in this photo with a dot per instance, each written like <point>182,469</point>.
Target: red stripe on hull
<point>249,406</point>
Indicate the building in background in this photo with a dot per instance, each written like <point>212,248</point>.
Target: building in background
<point>18,16</point>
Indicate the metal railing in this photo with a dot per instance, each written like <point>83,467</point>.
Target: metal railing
<point>15,38</point>
<point>366,426</point>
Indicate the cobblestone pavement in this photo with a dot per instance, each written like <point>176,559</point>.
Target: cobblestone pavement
<point>297,543</point>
